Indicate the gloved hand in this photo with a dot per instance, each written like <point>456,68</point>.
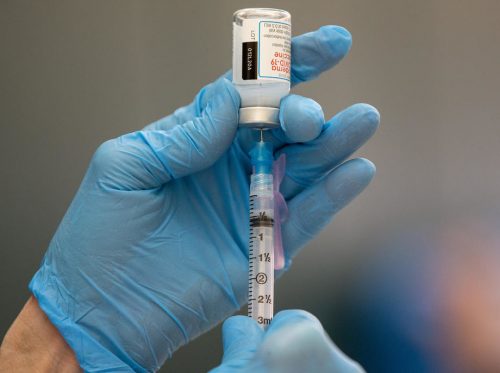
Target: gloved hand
<point>152,251</point>
<point>295,342</point>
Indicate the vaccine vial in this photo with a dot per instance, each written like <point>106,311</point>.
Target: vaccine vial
<point>261,63</point>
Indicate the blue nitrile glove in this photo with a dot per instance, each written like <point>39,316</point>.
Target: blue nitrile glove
<point>294,343</point>
<point>152,251</point>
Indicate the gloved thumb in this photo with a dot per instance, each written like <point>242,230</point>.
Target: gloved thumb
<point>147,159</point>
<point>241,336</point>
<point>295,343</point>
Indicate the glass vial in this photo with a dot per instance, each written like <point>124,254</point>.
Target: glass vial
<point>261,63</point>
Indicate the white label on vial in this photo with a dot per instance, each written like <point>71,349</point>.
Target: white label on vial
<point>261,50</point>
<point>274,50</point>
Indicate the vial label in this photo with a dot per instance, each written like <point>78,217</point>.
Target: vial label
<point>262,49</point>
<point>249,64</point>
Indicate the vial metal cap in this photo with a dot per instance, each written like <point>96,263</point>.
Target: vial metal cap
<point>259,117</point>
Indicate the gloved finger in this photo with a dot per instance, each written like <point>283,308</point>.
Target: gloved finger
<point>312,54</point>
<point>191,111</point>
<point>341,136</point>
<point>301,120</point>
<point>147,159</point>
<point>284,319</point>
<point>296,342</point>
<point>241,336</point>
<point>311,210</point>
<point>316,52</point>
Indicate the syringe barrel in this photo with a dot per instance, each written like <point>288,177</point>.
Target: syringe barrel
<point>261,249</point>
<point>262,185</point>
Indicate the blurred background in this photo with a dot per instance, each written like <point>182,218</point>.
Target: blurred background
<point>406,278</point>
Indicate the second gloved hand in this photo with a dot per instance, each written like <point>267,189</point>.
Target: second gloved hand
<point>295,342</point>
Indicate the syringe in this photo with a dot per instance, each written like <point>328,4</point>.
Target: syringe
<point>261,244</point>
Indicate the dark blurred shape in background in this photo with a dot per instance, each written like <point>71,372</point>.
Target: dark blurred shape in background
<point>430,302</point>
<point>73,74</point>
